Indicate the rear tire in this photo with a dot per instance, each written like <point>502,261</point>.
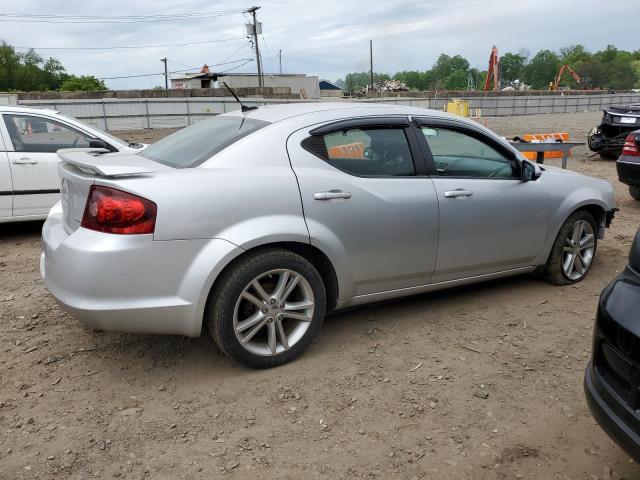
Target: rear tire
<point>573,251</point>
<point>634,191</point>
<point>266,308</point>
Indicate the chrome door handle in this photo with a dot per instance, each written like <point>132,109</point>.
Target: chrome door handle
<point>330,195</point>
<point>458,193</point>
<point>24,161</point>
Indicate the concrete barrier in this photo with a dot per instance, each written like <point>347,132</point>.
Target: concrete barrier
<point>165,112</point>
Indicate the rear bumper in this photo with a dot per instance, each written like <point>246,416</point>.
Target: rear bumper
<point>628,170</point>
<point>131,283</point>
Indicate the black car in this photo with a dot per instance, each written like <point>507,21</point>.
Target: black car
<point>612,379</point>
<point>608,138</point>
<point>628,164</point>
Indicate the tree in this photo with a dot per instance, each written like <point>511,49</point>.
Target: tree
<point>574,55</point>
<point>512,66</point>
<point>542,69</point>
<point>414,79</point>
<point>456,80</point>
<point>82,83</point>
<point>355,81</point>
<point>442,73</point>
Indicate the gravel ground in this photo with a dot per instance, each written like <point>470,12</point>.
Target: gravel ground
<point>479,382</point>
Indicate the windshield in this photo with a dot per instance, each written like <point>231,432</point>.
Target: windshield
<point>195,144</point>
<point>102,132</point>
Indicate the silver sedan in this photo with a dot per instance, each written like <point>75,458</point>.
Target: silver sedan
<point>254,225</point>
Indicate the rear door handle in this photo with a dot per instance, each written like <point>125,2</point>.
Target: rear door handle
<point>330,195</point>
<point>24,161</point>
<point>458,193</point>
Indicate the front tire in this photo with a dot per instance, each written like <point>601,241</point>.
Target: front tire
<point>634,191</point>
<point>573,251</point>
<point>266,308</point>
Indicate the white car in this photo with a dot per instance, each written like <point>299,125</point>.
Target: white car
<point>29,139</point>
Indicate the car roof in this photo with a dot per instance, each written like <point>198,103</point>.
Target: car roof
<point>276,113</point>
<point>16,109</point>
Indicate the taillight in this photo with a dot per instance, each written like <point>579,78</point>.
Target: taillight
<point>630,146</point>
<point>113,211</point>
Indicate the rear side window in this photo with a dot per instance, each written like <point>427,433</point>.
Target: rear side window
<point>193,145</point>
<point>365,151</point>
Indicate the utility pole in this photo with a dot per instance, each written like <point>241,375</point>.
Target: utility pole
<point>166,77</point>
<point>371,62</point>
<point>280,61</point>
<point>252,11</point>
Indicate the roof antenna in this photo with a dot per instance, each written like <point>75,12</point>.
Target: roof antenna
<point>243,107</point>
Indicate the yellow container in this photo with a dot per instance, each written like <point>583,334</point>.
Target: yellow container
<point>458,107</point>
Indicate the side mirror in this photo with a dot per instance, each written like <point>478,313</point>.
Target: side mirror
<point>97,143</point>
<point>530,171</point>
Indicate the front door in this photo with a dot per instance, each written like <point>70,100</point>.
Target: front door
<point>34,162</point>
<point>365,203</point>
<point>490,220</point>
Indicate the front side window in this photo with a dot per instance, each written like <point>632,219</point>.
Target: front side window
<point>458,154</point>
<point>195,144</point>
<point>29,133</point>
<point>369,152</point>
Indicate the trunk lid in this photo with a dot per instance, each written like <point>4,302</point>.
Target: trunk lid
<point>81,168</point>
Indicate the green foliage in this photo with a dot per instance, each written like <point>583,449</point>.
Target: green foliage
<point>512,66</point>
<point>449,72</point>
<point>355,81</point>
<point>414,80</point>
<point>542,69</point>
<point>609,68</point>
<point>83,83</point>
<point>28,71</point>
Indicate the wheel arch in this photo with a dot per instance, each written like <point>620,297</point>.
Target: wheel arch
<point>596,209</point>
<point>314,255</point>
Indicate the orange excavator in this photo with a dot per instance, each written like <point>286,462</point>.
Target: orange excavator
<point>556,83</point>
<point>493,73</point>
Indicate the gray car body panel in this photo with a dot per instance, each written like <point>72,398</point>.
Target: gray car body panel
<point>389,240</point>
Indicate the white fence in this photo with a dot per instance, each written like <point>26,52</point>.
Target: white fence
<point>125,114</point>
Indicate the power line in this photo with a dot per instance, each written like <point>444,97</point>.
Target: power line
<point>134,46</point>
<point>269,56</point>
<point>49,18</point>
<point>245,60</point>
<point>235,52</point>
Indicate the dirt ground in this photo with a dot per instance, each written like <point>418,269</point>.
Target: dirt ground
<point>482,382</point>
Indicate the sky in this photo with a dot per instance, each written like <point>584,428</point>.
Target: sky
<point>328,38</point>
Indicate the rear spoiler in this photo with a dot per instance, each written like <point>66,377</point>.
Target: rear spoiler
<point>93,162</point>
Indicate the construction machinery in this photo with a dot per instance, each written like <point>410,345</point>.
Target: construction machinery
<point>493,73</point>
<point>565,68</point>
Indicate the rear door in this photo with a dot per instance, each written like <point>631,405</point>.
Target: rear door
<point>33,160</point>
<point>6,187</point>
<point>490,220</point>
<point>366,203</point>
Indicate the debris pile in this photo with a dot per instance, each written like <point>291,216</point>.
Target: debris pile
<point>515,85</point>
<point>384,86</point>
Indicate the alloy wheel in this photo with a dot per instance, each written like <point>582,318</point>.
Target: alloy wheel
<point>273,312</point>
<point>578,250</point>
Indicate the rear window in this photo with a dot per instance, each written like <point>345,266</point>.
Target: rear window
<point>195,144</point>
